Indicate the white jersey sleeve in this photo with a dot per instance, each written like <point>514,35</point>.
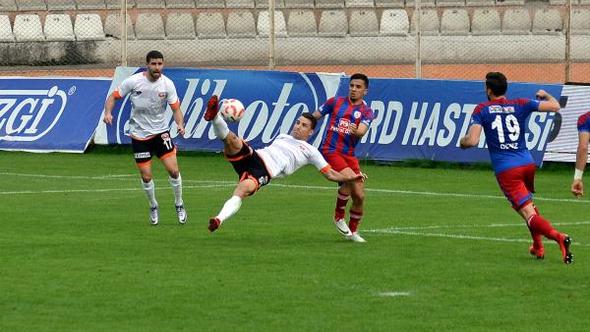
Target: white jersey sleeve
<point>171,89</point>
<point>315,158</point>
<point>126,86</point>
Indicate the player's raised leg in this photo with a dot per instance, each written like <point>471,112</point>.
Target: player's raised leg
<point>245,188</point>
<point>232,144</point>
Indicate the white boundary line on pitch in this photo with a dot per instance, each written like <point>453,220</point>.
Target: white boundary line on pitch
<point>68,191</point>
<point>217,183</point>
<point>410,228</point>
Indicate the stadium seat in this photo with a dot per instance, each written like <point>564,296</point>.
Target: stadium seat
<point>301,23</point>
<point>329,3</point>
<point>149,26</point>
<point>394,22</point>
<point>580,21</point>
<point>450,3</point>
<point>263,24</point>
<point>560,2</point>
<point>429,22</point>
<point>264,3</point>
<point>116,4</point>
<point>6,34</point>
<point>333,23</point>
<point>486,21</point>
<point>510,2</point>
<point>423,3</point>
<point>516,22</point>
<point>239,3</point>
<point>180,4</point>
<point>112,26</point>
<point>359,3</point>
<point>7,6</point>
<point>454,22</point>
<point>58,27</point>
<point>180,25</point>
<point>389,3</point>
<point>363,23</point>
<point>90,4</point>
<point>25,5</point>
<point>27,27</point>
<point>547,21</point>
<point>480,3</point>
<point>210,25</point>
<point>88,27</point>
<point>241,24</point>
<point>298,4</point>
<point>61,4</point>
<point>150,4</point>
<point>210,3</point>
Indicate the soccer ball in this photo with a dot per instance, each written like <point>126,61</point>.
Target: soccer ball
<point>231,109</point>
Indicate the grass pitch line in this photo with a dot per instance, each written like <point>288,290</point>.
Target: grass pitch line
<point>409,228</point>
<point>394,294</point>
<point>68,191</point>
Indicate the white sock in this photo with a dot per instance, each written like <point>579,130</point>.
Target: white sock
<point>230,207</point>
<point>150,192</point>
<point>220,127</point>
<point>177,188</point>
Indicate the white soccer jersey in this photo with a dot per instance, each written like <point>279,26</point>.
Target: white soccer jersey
<point>286,155</point>
<point>149,101</point>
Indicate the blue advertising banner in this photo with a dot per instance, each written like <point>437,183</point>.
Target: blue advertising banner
<point>414,119</point>
<point>49,114</point>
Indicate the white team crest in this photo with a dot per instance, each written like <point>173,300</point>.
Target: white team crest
<point>357,114</point>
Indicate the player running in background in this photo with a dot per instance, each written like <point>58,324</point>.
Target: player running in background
<point>349,119</point>
<point>256,168</point>
<point>150,93</point>
<point>582,154</point>
<point>503,122</point>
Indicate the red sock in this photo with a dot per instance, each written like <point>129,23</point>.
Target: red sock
<point>355,219</point>
<point>541,226</point>
<point>341,201</point>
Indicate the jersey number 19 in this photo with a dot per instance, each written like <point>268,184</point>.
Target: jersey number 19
<point>512,126</point>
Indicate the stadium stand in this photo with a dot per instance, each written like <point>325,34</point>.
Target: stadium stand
<point>389,3</point>
<point>7,6</point>
<point>88,27</point>
<point>27,27</point>
<point>363,23</point>
<point>58,27</point>
<point>239,4</point>
<point>450,3</point>
<point>423,3</point>
<point>61,4</point>
<point>394,22</point>
<point>298,4</point>
<point>180,4</point>
<point>180,25</point>
<point>580,21</point>
<point>329,4</point>
<point>263,24</point>
<point>112,26</point>
<point>560,2</point>
<point>264,4</point>
<point>301,23</point>
<point>241,24</point>
<point>486,22</point>
<point>429,22</point>
<point>210,25</point>
<point>547,21</point>
<point>333,23</point>
<point>510,2</point>
<point>454,22</point>
<point>150,4</point>
<point>359,4</point>
<point>516,21</point>
<point>90,4</point>
<point>6,34</point>
<point>149,26</point>
<point>210,3</point>
<point>480,3</point>
<point>116,4</point>
<point>26,5</point>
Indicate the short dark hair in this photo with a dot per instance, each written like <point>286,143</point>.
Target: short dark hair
<point>496,82</point>
<point>359,76</point>
<point>313,120</point>
<point>153,55</point>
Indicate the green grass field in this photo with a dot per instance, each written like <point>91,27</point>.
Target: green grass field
<point>445,252</point>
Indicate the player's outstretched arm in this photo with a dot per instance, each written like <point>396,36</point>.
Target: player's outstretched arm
<point>317,115</point>
<point>548,102</point>
<point>332,175</point>
<point>577,187</point>
<point>471,139</point>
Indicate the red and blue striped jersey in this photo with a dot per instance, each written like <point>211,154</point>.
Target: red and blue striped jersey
<point>504,124</point>
<point>341,112</point>
<point>584,122</point>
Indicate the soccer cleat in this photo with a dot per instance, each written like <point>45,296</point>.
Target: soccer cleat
<point>342,228</point>
<point>539,253</point>
<point>355,237</point>
<point>214,224</point>
<point>212,108</point>
<point>181,213</point>
<point>154,215</point>
<point>564,244</point>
